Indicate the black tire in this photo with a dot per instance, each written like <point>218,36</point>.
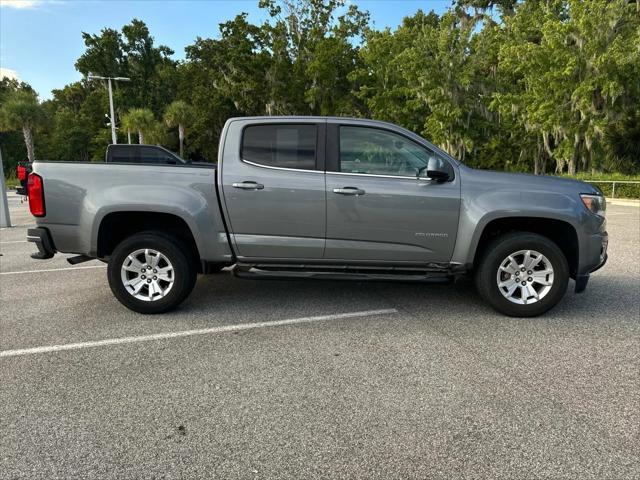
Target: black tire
<point>505,245</point>
<point>184,271</point>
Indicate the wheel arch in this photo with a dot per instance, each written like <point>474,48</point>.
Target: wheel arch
<point>116,226</point>
<point>561,232</point>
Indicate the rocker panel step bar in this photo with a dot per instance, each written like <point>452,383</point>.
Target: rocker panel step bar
<point>339,273</point>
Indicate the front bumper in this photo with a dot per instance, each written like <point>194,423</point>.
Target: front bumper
<point>583,279</point>
<point>42,238</point>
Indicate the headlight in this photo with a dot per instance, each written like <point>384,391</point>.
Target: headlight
<point>594,203</point>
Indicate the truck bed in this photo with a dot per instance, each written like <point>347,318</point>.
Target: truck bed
<point>79,195</point>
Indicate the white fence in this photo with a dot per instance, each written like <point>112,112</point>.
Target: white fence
<point>614,182</point>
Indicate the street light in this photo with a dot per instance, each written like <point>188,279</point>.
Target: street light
<point>5,219</point>
<point>114,138</point>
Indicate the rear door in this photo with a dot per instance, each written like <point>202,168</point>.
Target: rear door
<point>377,208</point>
<point>274,188</point>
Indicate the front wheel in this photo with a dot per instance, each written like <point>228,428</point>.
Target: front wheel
<point>150,273</point>
<point>522,274</point>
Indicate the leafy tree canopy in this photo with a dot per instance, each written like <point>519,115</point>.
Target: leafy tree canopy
<point>531,85</point>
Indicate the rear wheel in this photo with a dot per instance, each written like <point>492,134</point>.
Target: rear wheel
<point>522,274</point>
<point>150,273</point>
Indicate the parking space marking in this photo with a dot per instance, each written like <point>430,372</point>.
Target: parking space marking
<point>13,241</point>
<point>190,333</point>
<point>53,270</point>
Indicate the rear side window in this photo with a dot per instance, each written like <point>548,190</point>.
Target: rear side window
<point>142,154</point>
<point>155,155</point>
<point>123,155</point>
<point>278,145</point>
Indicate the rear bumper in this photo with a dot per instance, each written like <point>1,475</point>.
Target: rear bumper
<point>42,238</point>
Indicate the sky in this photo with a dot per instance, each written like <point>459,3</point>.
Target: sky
<point>40,40</point>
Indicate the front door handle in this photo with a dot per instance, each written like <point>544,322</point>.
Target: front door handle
<point>349,191</point>
<point>248,185</point>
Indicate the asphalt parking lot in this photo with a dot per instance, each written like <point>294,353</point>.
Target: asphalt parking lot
<point>361,380</point>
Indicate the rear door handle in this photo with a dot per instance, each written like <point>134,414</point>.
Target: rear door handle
<point>349,191</point>
<point>248,185</point>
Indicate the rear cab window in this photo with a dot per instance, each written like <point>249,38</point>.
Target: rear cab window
<point>281,145</point>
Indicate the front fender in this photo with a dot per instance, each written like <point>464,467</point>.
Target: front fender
<point>478,211</point>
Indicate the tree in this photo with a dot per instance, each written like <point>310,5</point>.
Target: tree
<point>104,54</point>
<point>21,110</point>
<point>150,67</point>
<point>132,53</point>
<point>140,120</point>
<point>573,74</point>
<point>298,62</point>
<point>68,137</point>
<point>11,142</point>
<point>127,123</point>
<point>381,83</point>
<point>179,114</point>
<point>523,85</point>
<point>311,51</point>
<point>156,134</point>
<point>452,95</point>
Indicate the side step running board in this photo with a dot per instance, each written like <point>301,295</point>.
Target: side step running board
<point>254,272</point>
<point>79,259</point>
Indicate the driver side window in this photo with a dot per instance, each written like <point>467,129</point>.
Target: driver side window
<point>378,152</point>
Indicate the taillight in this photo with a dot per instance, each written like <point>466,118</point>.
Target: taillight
<point>22,173</point>
<point>36,195</point>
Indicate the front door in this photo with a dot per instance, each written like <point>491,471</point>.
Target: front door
<point>377,208</point>
<point>274,190</point>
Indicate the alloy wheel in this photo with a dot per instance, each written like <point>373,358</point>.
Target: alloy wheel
<point>525,277</point>
<point>147,274</point>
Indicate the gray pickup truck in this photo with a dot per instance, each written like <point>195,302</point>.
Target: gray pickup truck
<point>317,197</point>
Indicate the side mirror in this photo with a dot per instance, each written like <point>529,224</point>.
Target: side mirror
<point>435,170</point>
<point>438,175</point>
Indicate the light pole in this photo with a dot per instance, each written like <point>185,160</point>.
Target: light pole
<point>114,138</point>
<point>5,218</point>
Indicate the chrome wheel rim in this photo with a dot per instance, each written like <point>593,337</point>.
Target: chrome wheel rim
<point>525,277</point>
<point>147,275</point>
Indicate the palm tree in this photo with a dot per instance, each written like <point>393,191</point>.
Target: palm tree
<point>140,120</point>
<point>156,133</point>
<point>178,113</point>
<point>21,110</point>
<point>125,123</point>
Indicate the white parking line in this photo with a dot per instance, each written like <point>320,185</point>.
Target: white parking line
<point>13,241</point>
<point>190,333</point>
<point>52,270</point>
